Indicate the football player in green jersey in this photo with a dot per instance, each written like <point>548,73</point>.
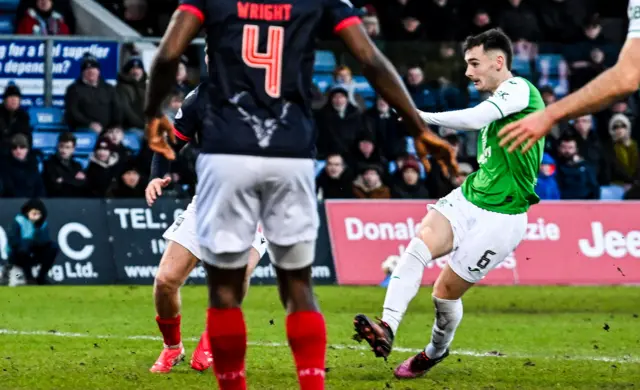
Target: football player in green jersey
<point>618,81</point>
<point>480,223</point>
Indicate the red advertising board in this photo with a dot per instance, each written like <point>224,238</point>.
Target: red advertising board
<point>565,243</point>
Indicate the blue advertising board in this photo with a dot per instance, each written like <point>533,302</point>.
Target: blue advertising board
<point>22,63</point>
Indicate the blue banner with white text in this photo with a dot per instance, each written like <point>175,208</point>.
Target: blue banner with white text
<point>22,63</point>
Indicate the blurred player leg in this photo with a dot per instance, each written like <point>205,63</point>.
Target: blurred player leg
<point>225,322</point>
<point>290,219</point>
<point>228,211</point>
<point>305,325</point>
<point>202,358</point>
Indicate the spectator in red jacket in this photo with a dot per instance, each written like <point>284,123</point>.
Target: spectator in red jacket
<point>42,20</point>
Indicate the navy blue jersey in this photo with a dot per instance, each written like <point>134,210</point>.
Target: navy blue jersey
<point>189,119</point>
<point>261,56</point>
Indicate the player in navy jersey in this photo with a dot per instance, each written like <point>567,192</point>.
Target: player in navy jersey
<point>183,252</point>
<point>256,161</point>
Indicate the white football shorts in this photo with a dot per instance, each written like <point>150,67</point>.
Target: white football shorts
<point>183,232</point>
<point>482,239</point>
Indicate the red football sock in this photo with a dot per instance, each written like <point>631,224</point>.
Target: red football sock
<point>228,339</point>
<point>307,334</point>
<point>170,329</point>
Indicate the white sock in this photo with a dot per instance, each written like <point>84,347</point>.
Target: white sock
<point>405,282</point>
<point>448,317</point>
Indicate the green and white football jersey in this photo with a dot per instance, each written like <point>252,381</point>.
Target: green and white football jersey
<point>505,181</point>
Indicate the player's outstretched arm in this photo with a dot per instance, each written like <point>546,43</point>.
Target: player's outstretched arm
<point>621,80</point>
<point>383,76</point>
<point>184,26</point>
<point>160,168</point>
<point>474,118</point>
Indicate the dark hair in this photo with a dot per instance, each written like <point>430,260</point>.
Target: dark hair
<point>567,136</point>
<point>334,154</point>
<point>547,89</point>
<point>67,137</point>
<point>494,39</point>
<point>35,204</point>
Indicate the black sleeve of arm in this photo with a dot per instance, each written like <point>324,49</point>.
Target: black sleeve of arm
<point>160,166</point>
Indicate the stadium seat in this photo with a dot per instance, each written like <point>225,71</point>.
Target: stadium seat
<point>549,64</point>
<point>9,5</point>
<point>612,192</point>
<point>46,142</point>
<point>46,118</point>
<point>83,160</point>
<point>131,141</point>
<point>363,87</point>
<point>85,141</point>
<point>323,81</point>
<point>560,86</point>
<point>474,94</point>
<point>411,145</point>
<point>369,102</point>
<point>325,61</point>
<point>393,167</point>
<point>522,67</point>
<point>320,164</point>
<point>7,26</point>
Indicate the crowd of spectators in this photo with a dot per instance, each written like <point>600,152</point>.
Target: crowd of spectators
<point>364,147</point>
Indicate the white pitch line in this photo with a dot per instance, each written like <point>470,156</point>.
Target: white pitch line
<point>609,359</point>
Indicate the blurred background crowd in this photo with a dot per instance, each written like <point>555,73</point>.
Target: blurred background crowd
<point>98,148</point>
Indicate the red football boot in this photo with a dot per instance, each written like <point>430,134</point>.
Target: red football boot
<point>202,358</point>
<point>167,359</point>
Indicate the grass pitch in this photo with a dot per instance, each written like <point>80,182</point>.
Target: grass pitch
<point>510,338</point>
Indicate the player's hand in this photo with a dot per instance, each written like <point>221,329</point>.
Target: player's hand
<point>440,149</point>
<point>157,132</point>
<point>154,189</point>
<point>531,128</point>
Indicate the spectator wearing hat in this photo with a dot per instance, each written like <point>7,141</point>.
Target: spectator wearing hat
<point>103,168</point>
<point>547,186</point>
<point>128,185</point>
<point>339,124</point>
<point>623,153</point>
<point>131,88</point>
<point>411,186</point>
<point>371,22</point>
<point>42,20</point>
<point>116,136</point>
<point>369,185</point>
<point>13,118</point>
<point>20,175</point>
<point>30,244</point>
<point>365,152</point>
<point>62,174</point>
<point>90,101</point>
